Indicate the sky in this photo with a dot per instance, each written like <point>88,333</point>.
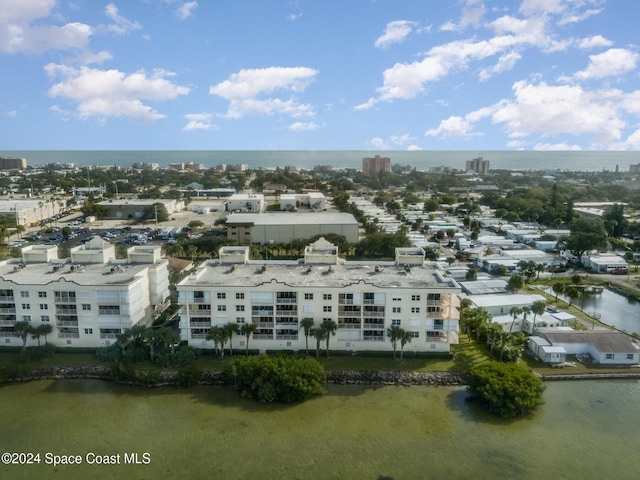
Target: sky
<point>319,75</point>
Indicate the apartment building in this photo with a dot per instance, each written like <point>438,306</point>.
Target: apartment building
<point>88,298</point>
<point>363,298</point>
<point>375,165</point>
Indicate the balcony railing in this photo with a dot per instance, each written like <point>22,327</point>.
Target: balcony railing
<point>66,311</point>
<point>263,324</point>
<point>349,325</point>
<point>7,323</point>
<point>286,300</point>
<point>107,335</point>
<point>345,301</point>
<point>8,334</point>
<point>6,298</point>
<point>7,310</point>
<point>373,326</point>
<point>198,336</point>
<point>108,311</point>
<point>373,314</point>
<point>66,323</point>
<point>200,324</point>
<point>198,300</point>
<point>262,336</point>
<point>372,338</point>
<point>68,335</point>
<point>286,337</point>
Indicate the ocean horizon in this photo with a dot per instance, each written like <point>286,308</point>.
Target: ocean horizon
<point>421,160</point>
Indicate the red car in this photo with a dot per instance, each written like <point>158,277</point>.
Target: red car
<point>619,271</point>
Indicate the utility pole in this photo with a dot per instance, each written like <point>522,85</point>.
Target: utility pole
<point>155,211</point>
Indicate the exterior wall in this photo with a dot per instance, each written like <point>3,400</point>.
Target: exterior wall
<point>377,164</point>
<point>264,234</point>
<point>29,212</point>
<point>614,358</point>
<point>363,314</point>
<point>82,312</point>
<point>246,203</point>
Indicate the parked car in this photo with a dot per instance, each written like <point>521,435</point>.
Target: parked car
<point>619,271</point>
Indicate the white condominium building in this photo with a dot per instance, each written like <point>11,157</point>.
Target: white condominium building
<point>363,298</point>
<point>87,299</point>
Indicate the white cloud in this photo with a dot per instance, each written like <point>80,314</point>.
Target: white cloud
<point>185,10</point>
<point>377,143</point>
<point>121,25</point>
<point>294,16</point>
<point>395,32</point>
<point>612,63</point>
<point>23,37</point>
<point>551,110</point>
<point>21,10</point>
<point>400,139</point>
<point>472,13</point>
<point>12,113</point>
<point>556,146</point>
<point>242,90</point>
<point>303,126</point>
<point>595,41</point>
<point>198,121</point>
<point>110,93</point>
<point>413,148</point>
<point>505,62</point>
<point>453,127</point>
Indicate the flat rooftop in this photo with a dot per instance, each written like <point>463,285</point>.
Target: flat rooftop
<point>288,218</point>
<point>84,274</point>
<point>604,341</point>
<point>255,273</point>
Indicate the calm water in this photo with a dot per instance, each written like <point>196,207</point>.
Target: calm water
<point>586,430</point>
<point>307,159</point>
<point>614,309</point>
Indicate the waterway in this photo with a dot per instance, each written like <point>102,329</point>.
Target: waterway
<point>613,309</point>
<point>585,430</point>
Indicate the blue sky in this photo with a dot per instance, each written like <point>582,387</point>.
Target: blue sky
<point>319,74</point>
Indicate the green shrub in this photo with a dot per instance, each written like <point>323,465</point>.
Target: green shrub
<point>283,378</point>
<point>189,376</point>
<point>112,353</point>
<point>183,355</point>
<point>505,388</point>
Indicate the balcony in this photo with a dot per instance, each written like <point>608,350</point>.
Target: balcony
<point>7,310</point>
<point>373,314</point>
<point>372,338</point>
<point>262,336</point>
<point>66,311</point>
<point>7,323</point>
<point>68,335</point>
<point>287,300</point>
<point>67,323</point>
<point>107,335</point>
<point>373,326</point>
<point>200,324</point>
<point>345,301</point>
<point>263,324</point>
<point>6,298</point>
<point>8,334</point>
<point>198,300</point>
<point>198,336</point>
<point>285,337</point>
<point>349,325</point>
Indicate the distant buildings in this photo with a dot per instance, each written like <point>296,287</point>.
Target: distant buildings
<point>13,163</point>
<point>283,227</point>
<point>478,165</point>
<point>634,168</point>
<point>27,211</point>
<point>135,208</point>
<point>375,165</point>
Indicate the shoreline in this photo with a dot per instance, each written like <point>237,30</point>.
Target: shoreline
<point>336,377</point>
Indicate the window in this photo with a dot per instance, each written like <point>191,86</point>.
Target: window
<point>44,306</point>
<point>26,318</point>
<point>396,309</point>
<point>610,356</point>
<point>88,331</point>
<point>415,309</point>
<point>239,319</point>
<point>42,294</point>
<point>222,308</point>
<point>109,309</point>
<point>26,306</point>
<point>239,308</point>
<point>86,307</point>
<point>396,298</point>
<point>44,318</point>
<point>433,297</point>
<point>415,298</point>
<point>24,294</point>
<point>395,321</point>
<point>629,356</point>
<point>239,296</point>
<point>221,295</point>
<point>308,296</point>
<point>326,308</point>
<point>204,306</point>
<point>415,334</point>
<point>326,296</point>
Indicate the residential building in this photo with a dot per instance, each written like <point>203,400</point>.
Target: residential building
<point>478,165</point>
<point>30,211</point>
<point>364,299</point>
<point>313,200</point>
<point>282,227</point>
<point>375,165</point>
<point>500,304</point>
<point>13,163</point>
<point>245,202</point>
<point>88,298</point>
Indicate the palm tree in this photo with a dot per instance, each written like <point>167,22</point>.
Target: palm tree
<point>394,333</point>
<point>558,288</point>
<point>319,334</point>
<point>45,329</point>
<point>483,318</point>
<point>216,333</point>
<point>247,329</point>
<point>307,325</point>
<point>537,308</point>
<point>231,328</point>
<point>573,293</point>
<point>404,339</point>
<point>514,311</point>
<point>493,332</point>
<point>330,327</point>
<point>169,337</point>
<point>152,338</point>
<point>23,329</point>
